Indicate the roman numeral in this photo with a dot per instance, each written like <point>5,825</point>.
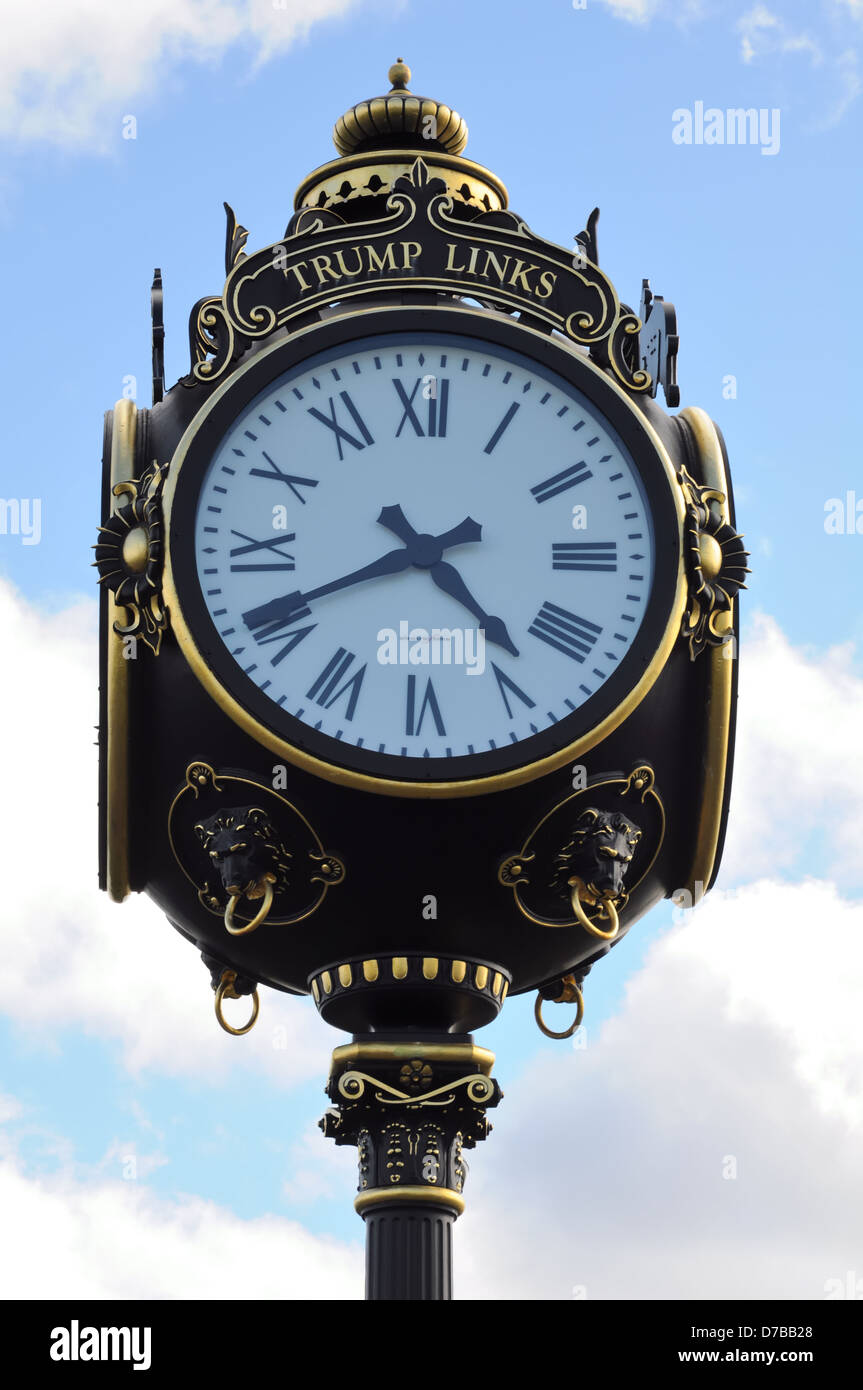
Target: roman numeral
<point>559,482</point>
<point>291,479</point>
<point>437,403</point>
<point>504,683</point>
<point>324,691</point>
<point>272,543</point>
<point>505,422</point>
<point>338,430</point>
<point>600,556</point>
<point>414,721</point>
<point>561,629</point>
<point>291,639</point>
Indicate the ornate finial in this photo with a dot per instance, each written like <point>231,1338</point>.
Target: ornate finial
<point>400,75</point>
<point>400,120</point>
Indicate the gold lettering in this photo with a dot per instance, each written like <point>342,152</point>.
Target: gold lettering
<point>451,250</point>
<point>340,257</point>
<point>547,279</point>
<point>474,255</point>
<point>499,270</point>
<point>408,255</point>
<point>324,261</point>
<point>376,262</point>
<point>295,270</point>
<point>519,276</point>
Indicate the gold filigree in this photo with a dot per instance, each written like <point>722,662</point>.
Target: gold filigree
<point>716,564</point>
<point>479,1089</point>
<point>129,555</point>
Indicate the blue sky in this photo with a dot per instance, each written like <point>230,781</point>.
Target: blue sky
<point>759,253</point>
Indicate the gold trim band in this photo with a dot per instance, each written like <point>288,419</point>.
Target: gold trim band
<point>464,1054</point>
<point>393,164</point>
<point>430,1196</point>
<point>720,681</point>
<point>117,678</point>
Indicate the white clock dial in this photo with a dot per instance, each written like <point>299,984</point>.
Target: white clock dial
<point>424,545</point>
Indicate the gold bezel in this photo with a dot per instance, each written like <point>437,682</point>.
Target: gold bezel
<point>385,786</point>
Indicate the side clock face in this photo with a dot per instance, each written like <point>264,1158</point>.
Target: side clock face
<point>423,555</point>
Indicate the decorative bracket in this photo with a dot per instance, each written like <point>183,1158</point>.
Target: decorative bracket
<point>658,343</point>
<point>158,329</point>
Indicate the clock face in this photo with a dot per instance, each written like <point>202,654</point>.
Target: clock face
<point>421,552</point>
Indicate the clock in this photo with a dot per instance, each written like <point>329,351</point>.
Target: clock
<point>424,551</point>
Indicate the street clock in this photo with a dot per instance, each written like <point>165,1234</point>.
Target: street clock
<point>430,471</point>
<point>419,639</point>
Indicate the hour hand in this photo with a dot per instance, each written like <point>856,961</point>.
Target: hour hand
<point>394,519</point>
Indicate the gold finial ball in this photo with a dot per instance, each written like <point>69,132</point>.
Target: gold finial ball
<point>399,74</point>
<point>710,554</point>
<point>136,550</point>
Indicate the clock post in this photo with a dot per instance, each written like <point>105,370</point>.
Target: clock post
<point>419,639</point>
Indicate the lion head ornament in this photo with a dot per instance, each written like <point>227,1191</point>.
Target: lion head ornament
<point>597,857</point>
<point>245,847</point>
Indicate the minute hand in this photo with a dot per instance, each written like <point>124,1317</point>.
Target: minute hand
<point>447,577</point>
<point>282,609</point>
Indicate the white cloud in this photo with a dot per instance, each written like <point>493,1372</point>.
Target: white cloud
<point>739,1040</point>
<point>72,959</point>
<point>849,85</point>
<point>69,72</point>
<point>763,32</point>
<point>63,1238</point>
<point>10,1108</point>
<point>797,779</point>
<point>319,1170</point>
<point>642,11</point>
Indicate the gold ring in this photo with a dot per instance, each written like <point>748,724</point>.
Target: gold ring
<point>579,1012</point>
<point>260,916</point>
<point>226,990</point>
<point>604,903</point>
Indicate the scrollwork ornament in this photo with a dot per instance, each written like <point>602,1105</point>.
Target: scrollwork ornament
<point>129,556</point>
<point>480,1090</point>
<point>490,255</point>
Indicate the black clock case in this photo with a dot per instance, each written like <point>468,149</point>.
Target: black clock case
<point>400,852</point>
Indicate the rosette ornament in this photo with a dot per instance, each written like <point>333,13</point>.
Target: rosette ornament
<point>129,556</point>
<point>716,566</point>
